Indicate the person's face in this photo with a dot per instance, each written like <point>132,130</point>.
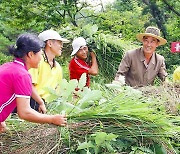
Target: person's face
<point>36,58</point>
<point>82,52</point>
<point>56,47</point>
<point>150,44</point>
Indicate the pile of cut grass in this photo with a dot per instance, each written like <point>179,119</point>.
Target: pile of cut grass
<point>138,120</point>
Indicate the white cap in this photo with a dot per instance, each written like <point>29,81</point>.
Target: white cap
<point>77,43</point>
<point>51,35</point>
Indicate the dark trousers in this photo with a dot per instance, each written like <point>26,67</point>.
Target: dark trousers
<point>34,105</point>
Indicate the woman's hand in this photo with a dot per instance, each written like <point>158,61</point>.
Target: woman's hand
<point>59,120</point>
<point>27,113</point>
<point>42,108</point>
<point>3,127</point>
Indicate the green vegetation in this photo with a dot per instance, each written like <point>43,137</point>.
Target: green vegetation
<point>109,120</point>
<point>4,58</point>
<point>121,20</point>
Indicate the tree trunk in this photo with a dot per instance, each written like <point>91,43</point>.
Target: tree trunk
<point>157,15</point>
<point>171,8</point>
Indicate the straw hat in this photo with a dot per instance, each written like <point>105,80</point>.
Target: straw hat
<point>153,32</point>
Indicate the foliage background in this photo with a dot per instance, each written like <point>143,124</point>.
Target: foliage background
<point>110,31</point>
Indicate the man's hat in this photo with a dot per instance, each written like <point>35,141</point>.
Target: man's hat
<point>51,35</point>
<point>153,32</point>
<point>77,43</point>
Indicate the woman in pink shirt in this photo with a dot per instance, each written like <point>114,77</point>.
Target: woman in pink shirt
<point>16,85</point>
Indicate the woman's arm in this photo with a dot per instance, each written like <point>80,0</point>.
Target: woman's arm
<point>38,99</point>
<point>27,113</point>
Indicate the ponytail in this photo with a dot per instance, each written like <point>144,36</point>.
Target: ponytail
<point>25,43</point>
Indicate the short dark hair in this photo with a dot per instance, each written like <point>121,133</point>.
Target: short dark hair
<point>25,43</point>
<point>154,37</point>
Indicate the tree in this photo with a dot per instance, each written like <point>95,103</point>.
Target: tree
<point>171,7</point>
<point>157,15</point>
<point>18,16</point>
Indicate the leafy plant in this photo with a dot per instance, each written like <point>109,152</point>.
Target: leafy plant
<point>100,142</point>
<point>73,96</point>
<point>131,116</point>
<point>4,58</point>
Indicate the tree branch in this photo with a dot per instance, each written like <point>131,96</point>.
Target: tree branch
<point>171,8</point>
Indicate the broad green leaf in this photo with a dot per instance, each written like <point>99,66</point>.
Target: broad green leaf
<point>111,137</point>
<point>67,108</point>
<point>63,85</point>
<point>85,145</point>
<point>100,138</point>
<point>90,96</point>
<point>73,84</point>
<point>86,104</point>
<point>83,92</point>
<point>52,94</point>
<point>160,149</point>
<point>49,90</point>
<point>51,98</point>
<point>70,88</point>
<point>82,81</point>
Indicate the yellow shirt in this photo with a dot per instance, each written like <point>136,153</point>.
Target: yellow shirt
<point>46,77</point>
<point>176,75</point>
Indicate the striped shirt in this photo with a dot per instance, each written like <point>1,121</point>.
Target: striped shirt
<point>15,81</point>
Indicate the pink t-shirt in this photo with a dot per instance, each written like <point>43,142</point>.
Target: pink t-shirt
<point>15,81</point>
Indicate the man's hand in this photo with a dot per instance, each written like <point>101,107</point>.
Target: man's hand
<point>93,55</point>
<point>90,49</point>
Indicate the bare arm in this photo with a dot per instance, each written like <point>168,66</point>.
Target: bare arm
<point>94,67</point>
<point>25,112</point>
<point>38,99</point>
